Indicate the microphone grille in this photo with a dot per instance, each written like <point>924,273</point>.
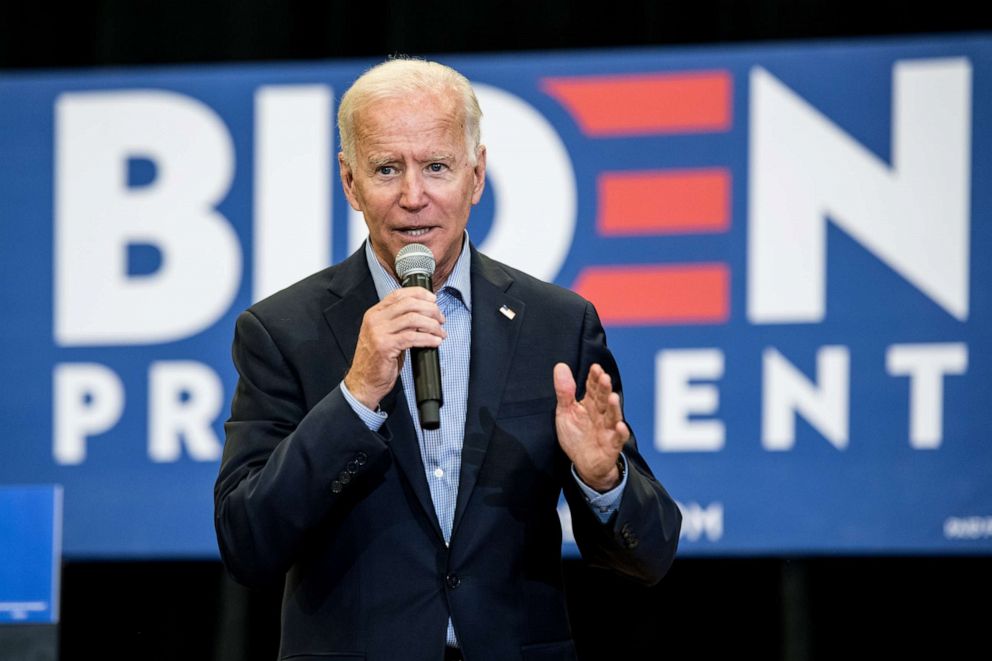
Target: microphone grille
<point>414,258</point>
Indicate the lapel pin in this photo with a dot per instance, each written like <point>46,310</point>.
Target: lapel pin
<point>507,312</point>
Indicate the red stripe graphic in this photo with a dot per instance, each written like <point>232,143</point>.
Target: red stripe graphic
<point>670,202</point>
<point>646,103</point>
<point>658,295</point>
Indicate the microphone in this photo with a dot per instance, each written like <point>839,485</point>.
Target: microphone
<point>415,267</point>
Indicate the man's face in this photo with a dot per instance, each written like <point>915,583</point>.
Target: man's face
<point>412,177</point>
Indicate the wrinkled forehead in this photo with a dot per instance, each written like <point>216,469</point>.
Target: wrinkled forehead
<point>414,115</point>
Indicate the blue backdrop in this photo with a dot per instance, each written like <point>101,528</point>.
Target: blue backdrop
<point>789,246</point>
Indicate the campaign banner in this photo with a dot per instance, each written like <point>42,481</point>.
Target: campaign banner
<point>789,246</point>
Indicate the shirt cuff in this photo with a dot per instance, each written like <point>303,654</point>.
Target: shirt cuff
<point>603,505</point>
<point>372,419</point>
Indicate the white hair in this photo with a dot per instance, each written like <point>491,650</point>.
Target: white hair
<point>404,76</point>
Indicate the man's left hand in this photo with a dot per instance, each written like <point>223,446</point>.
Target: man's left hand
<point>592,431</point>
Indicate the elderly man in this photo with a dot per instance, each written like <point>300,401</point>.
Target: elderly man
<point>398,542</point>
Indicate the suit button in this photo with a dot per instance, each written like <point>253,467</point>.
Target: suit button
<point>629,538</point>
<point>453,581</point>
<point>336,486</point>
<point>352,467</point>
<point>344,477</point>
<point>361,458</point>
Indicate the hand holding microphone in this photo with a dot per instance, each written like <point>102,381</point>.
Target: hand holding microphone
<point>415,268</point>
<point>407,318</point>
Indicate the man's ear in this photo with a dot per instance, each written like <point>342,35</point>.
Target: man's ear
<point>479,173</point>
<point>348,182</point>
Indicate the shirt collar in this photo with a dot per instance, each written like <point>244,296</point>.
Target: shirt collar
<point>460,280</point>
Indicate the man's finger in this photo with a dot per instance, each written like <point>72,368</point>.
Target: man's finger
<point>613,413</point>
<point>623,431</point>
<point>418,322</point>
<point>405,306</point>
<point>598,389</point>
<point>409,292</point>
<point>417,339</point>
<point>564,385</point>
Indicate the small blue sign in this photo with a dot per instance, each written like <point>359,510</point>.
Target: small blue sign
<point>30,554</point>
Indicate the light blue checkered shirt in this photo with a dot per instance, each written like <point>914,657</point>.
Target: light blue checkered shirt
<point>441,449</point>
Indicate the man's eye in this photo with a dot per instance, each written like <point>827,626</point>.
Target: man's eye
<point>437,167</point>
<point>386,169</point>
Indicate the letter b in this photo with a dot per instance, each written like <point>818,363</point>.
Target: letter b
<point>98,216</point>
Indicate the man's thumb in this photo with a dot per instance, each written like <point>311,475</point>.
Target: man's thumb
<point>564,385</point>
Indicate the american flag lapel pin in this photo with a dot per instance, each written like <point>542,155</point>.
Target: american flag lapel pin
<point>507,312</point>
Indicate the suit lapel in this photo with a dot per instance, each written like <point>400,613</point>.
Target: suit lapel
<point>354,292</point>
<point>405,446</point>
<point>494,340</point>
<point>352,284</point>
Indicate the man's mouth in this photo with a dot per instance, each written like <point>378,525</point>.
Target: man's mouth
<point>416,232</point>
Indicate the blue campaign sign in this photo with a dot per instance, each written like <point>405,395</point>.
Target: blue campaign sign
<point>30,554</point>
<point>788,245</point>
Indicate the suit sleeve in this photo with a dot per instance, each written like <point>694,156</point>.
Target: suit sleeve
<point>640,540</point>
<point>285,469</point>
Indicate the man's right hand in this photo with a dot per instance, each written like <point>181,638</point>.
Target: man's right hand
<point>406,318</point>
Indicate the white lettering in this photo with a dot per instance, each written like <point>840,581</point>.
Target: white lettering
<point>98,216</point>
<point>88,400</point>
<point>676,399</point>
<point>698,521</point>
<point>787,391</point>
<point>293,145</point>
<point>913,216</point>
<point>968,527</point>
<point>926,365</point>
<point>184,400</point>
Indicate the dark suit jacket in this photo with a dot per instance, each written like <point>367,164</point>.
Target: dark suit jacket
<point>308,493</point>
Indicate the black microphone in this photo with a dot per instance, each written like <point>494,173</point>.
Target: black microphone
<point>415,267</point>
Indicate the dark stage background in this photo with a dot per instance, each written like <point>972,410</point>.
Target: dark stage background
<point>765,608</point>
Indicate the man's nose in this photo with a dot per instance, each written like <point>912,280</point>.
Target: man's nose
<point>413,196</point>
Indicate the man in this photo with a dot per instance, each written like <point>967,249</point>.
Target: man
<point>397,542</point>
